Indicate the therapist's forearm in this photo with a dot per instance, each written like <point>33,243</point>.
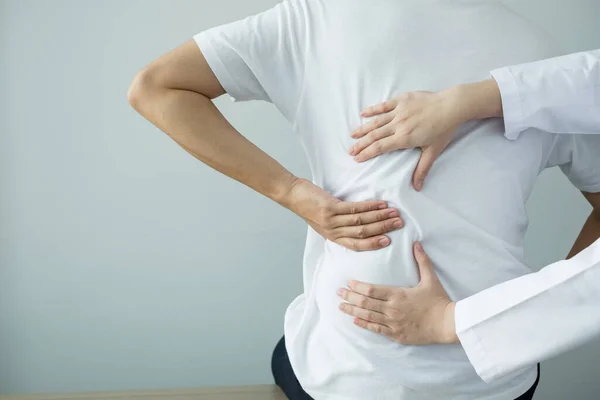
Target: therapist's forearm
<point>529,319</point>
<point>479,100</point>
<point>557,95</point>
<point>589,234</point>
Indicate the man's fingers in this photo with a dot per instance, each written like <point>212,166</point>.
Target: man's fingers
<point>425,266</point>
<point>369,230</point>
<point>347,207</point>
<point>380,292</point>
<point>374,327</point>
<point>373,243</point>
<point>428,157</point>
<point>379,147</point>
<point>365,218</point>
<point>371,125</point>
<point>380,108</point>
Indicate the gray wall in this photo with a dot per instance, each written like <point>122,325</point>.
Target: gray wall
<point>124,262</point>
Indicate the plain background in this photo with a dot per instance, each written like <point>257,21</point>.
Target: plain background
<point>127,264</point>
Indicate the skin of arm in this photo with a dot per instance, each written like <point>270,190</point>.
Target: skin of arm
<point>175,92</point>
<point>477,100</point>
<point>183,109</point>
<point>591,229</point>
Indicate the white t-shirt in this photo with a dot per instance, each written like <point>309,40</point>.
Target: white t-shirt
<point>320,62</point>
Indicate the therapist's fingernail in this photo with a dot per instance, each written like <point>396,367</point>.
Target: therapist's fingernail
<point>351,152</point>
<point>419,185</point>
<point>384,241</point>
<point>340,292</point>
<point>419,247</point>
<point>382,206</point>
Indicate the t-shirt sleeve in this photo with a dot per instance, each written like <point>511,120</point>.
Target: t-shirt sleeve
<point>578,156</point>
<point>261,57</point>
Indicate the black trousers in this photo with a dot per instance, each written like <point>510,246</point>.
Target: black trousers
<point>287,381</point>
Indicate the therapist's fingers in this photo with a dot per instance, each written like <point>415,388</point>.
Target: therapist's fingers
<point>368,217</point>
<point>426,272</point>
<point>372,125</point>
<point>362,301</point>
<point>426,161</point>
<point>379,147</point>
<point>374,327</point>
<point>380,292</point>
<point>362,313</point>
<point>370,138</point>
<point>380,108</point>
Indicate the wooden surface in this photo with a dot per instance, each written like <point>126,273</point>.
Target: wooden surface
<point>259,392</point>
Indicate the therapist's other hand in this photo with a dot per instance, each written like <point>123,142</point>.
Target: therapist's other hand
<point>426,120</point>
<point>413,316</point>
<point>358,226</point>
<point>417,119</point>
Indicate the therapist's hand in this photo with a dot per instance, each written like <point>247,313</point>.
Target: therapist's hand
<point>417,119</point>
<point>426,120</point>
<point>413,316</point>
<point>358,226</point>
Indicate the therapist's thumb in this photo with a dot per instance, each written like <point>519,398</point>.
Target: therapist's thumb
<point>428,157</point>
<point>426,271</point>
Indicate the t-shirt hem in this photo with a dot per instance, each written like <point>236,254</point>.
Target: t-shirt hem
<point>487,369</point>
<point>513,393</point>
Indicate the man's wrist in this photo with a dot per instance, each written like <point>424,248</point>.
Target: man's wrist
<point>283,191</point>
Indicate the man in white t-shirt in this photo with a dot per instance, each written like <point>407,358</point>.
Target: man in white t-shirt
<point>320,62</point>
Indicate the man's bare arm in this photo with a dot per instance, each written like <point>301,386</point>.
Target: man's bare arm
<point>174,93</point>
<point>591,229</point>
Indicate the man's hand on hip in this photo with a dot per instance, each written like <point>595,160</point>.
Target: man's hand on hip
<point>358,226</point>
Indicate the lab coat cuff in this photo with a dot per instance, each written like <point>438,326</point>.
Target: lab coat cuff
<point>471,343</point>
<point>511,102</point>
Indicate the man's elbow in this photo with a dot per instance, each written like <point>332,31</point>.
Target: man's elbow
<point>143,85</point>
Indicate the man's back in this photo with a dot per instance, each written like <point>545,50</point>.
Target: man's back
<point>321,62</point>
<point>471,210</point>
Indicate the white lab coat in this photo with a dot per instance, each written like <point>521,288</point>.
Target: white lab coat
<point>537,316</point>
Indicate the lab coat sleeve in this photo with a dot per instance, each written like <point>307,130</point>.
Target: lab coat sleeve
<point>527,320</point>
<point>558,95</point>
